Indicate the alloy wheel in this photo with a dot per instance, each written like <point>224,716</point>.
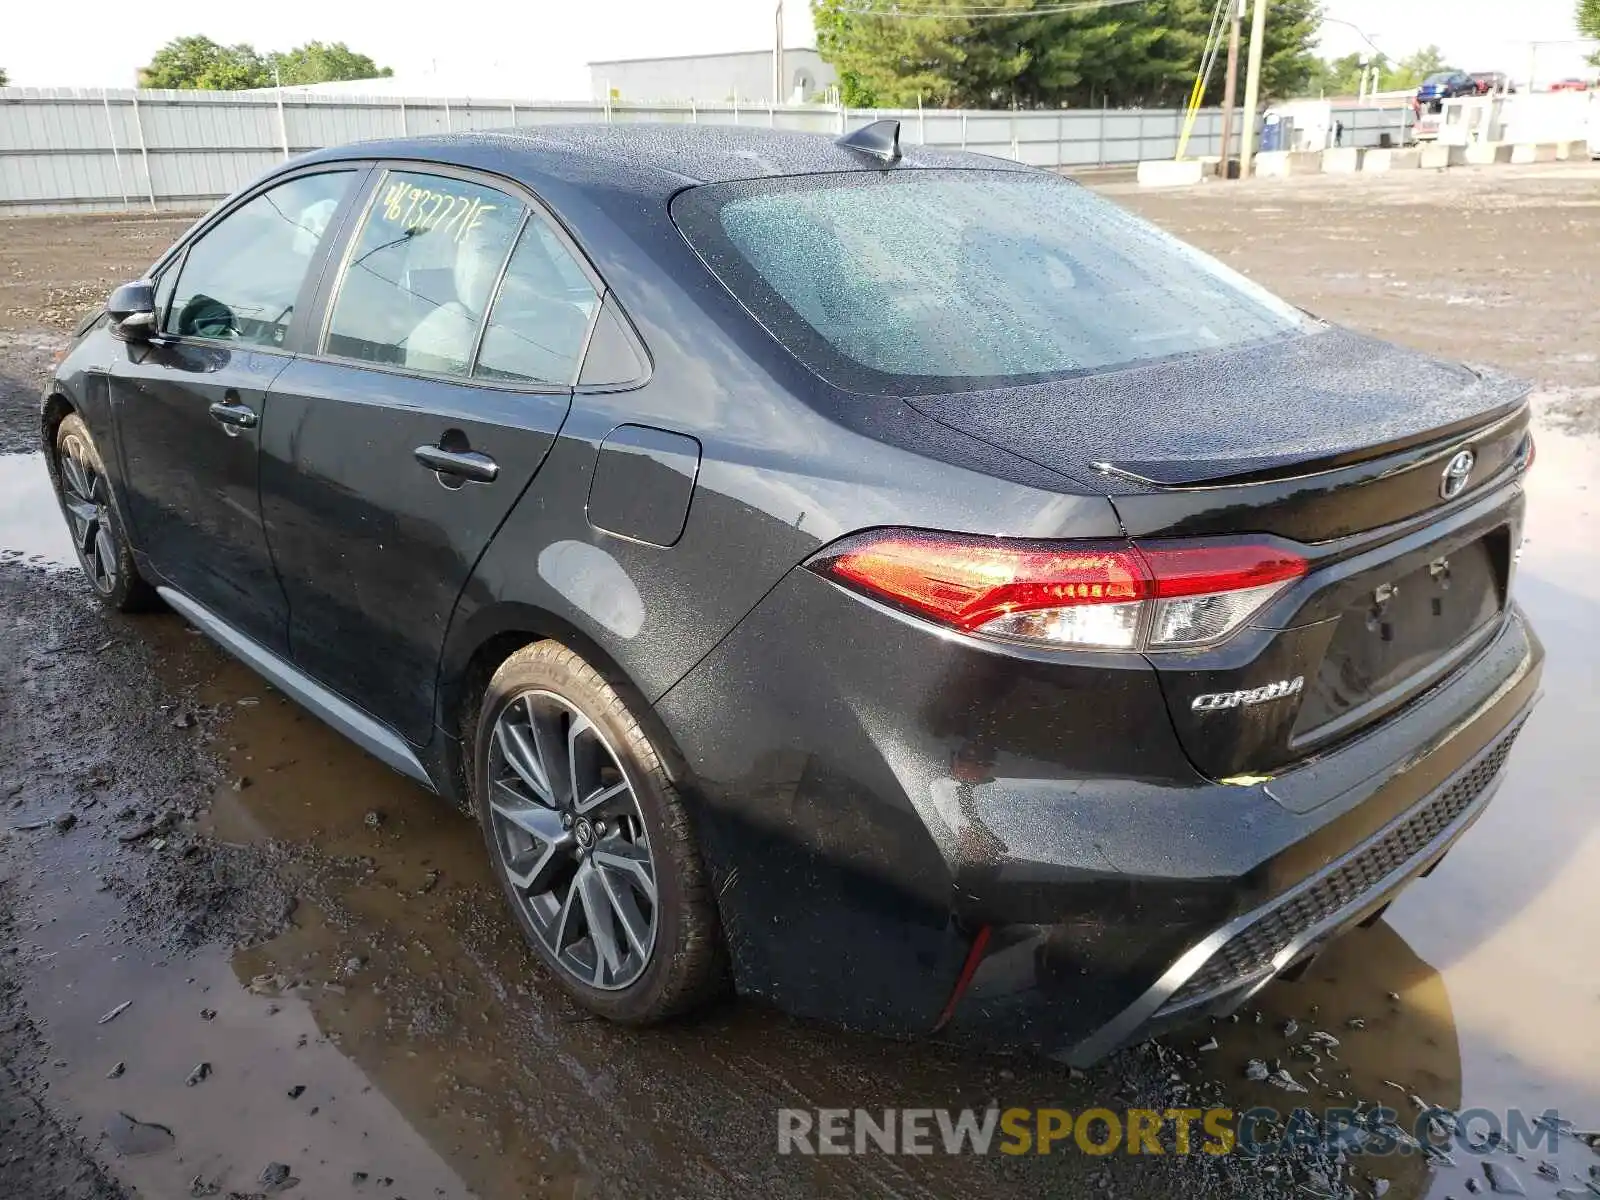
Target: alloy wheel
<point>571,839</point>
<point>86,496</point>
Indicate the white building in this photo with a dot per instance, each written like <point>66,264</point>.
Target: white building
<point>745,77</point>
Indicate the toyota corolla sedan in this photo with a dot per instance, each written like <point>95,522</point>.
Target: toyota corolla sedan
<point>899,585</point>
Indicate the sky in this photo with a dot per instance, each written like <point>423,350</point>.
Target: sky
<point>101,43</point>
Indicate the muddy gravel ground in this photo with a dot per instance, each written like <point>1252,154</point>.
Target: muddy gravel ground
<point>240,958</point>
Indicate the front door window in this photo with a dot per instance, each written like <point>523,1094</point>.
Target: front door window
<point>241,279</point>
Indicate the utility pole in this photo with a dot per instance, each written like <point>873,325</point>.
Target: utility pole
<point>777,54</point>
<point>1252,86</point>
<point>1231,87</point>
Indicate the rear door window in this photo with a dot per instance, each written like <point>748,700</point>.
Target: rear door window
<point>421,272</point>
<point>541,316</point>
<point>240,280</point>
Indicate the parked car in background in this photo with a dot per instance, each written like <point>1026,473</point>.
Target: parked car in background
<point>1442,86</point>
<point>902,585</point>
<point>1492,82</point>
<point>1571,85</point>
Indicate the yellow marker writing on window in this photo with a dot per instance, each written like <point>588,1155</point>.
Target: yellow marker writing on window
<point>422,210</point>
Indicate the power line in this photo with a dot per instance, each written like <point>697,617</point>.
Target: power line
<point>983,12</point>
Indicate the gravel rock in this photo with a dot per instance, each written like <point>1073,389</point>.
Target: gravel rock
<point>1282,1079</point>
<point>275,1177</point>
<point>115,1013</point>
<point>1503,1180</point>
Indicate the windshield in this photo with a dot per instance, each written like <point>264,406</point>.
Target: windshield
<point>923,281</point>
<point>1436,80</point>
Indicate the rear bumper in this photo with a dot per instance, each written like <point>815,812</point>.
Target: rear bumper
<point>871,798</point>
<point>1445,760</point>
<point>1226,968</point>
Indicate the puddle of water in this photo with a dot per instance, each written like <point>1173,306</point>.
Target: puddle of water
<point>278,1089</point>
<point>31,524</point>
<point>1509,917</point>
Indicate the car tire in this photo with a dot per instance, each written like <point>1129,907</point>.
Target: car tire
<point>90,509</point>
<point>613,897</point>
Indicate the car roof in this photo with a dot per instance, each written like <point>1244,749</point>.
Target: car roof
<point>640,156</point>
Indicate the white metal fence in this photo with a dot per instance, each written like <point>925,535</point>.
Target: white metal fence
<point>63,149</point>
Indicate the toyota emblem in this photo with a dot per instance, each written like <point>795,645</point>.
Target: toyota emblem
<point>1456,473</point>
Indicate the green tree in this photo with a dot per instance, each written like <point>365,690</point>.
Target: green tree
<point>198,63</point>
<point>1342,76</point>
<point>317,62</point>
<point>1589,24</point>
<point>1140,54</point>
<point>889,61</point>
<point>4,78</point>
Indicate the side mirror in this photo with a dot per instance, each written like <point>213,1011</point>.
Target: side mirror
<point>132,308</point>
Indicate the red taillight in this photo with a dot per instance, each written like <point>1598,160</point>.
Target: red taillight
<point>968,582</point>
<point>1197,570</point>
<point>1528,454</point>
<point>1096,595</point>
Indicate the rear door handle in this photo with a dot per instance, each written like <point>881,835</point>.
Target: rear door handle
<point>463,464</point>
<point>234,416</point>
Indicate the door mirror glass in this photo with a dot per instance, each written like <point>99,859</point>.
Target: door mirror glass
<point>132,309</point>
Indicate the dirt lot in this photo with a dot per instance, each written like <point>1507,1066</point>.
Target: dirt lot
<point>268,901</point>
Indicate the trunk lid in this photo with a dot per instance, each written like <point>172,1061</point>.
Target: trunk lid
<point>1304,402</point>
<point>1338,445</point>
<point>1404,585</point>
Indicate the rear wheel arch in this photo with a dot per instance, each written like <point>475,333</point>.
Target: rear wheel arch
<point>475,651</point>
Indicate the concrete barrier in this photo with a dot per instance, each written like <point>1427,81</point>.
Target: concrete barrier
<point>1391,160</point>
<point>1570,150</point>
<point>1487,154</point>
<point>1342,160</point>
<point>1436,156</point>
<point>1533,152</point>
<point>1274,164</point>
<point>1167,172</point>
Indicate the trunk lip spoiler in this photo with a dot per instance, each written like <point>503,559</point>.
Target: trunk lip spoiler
<point>1436,449</point>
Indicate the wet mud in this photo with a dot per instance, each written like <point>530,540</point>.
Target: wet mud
<point>255,961</point>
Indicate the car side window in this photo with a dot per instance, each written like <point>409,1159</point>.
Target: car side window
<point>541,315</point>
<point>240,279</point>
<point>421,273</point>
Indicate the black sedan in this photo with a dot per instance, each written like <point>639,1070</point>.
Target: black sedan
<point>899,585</point>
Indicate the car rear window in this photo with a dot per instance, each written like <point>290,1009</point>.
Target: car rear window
<point>922,281</point>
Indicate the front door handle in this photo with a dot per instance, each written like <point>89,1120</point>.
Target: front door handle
<point>462,464</point>
<point>234,417</point>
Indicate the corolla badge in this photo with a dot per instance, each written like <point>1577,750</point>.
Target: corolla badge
<point>1217,701</point>
<point>1456,473</point>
